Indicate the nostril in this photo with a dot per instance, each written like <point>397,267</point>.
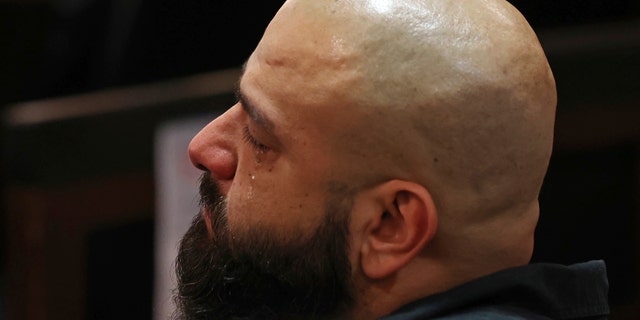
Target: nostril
<point>213,148</point>
<point>221,162</point>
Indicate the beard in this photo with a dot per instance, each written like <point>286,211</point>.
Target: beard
<point>254,276</point>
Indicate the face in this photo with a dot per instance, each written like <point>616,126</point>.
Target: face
<point>274,153</point>
<point>272,236</point>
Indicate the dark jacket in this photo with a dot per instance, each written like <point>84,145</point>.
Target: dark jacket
<point>535,291</point>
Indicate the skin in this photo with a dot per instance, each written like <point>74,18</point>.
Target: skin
<point>440,114</point>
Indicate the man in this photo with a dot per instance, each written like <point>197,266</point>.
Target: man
<point>384,160</point>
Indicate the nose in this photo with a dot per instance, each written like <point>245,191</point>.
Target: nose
<point>213,149</point>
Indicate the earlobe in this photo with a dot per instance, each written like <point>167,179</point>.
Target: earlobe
<point>405,224</point>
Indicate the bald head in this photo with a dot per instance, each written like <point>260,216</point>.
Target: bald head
<point>456,95</point>
<point>407,139</point>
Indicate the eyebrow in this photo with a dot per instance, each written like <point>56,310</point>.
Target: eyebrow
<point>253,112</point>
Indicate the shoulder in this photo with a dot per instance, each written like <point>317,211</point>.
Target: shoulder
<point>537,291</point>
<point>493,313</point>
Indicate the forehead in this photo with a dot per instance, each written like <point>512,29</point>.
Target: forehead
<point>302,68</point>
<point>308,53</point>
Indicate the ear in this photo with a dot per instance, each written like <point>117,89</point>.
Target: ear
<point>400,224</point>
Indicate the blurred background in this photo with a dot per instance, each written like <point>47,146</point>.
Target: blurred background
<point>100,97</point>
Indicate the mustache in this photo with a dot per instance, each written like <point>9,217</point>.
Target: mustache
<point>211,199</point>
<point>210,196</point>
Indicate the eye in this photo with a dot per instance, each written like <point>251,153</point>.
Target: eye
<point>248,138</point>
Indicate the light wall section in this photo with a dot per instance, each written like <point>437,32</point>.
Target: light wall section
<point>176,203</point>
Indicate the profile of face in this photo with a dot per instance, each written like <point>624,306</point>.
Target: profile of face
<point>361,127</point>
<point>271,241</point>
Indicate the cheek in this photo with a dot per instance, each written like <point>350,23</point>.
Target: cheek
<point>281,191</point>
<point>274,198</point>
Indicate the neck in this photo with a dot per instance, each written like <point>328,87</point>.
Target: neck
<point>451,259</point>
<point>418,279</point>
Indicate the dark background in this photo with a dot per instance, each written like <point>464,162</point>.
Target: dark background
<point>52,48</point>
<point>590,203</point>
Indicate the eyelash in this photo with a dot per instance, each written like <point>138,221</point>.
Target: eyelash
<point>248,138</point>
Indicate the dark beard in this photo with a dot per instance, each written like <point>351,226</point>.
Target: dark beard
<point>252,276</point>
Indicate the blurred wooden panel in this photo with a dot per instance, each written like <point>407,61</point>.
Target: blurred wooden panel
<point>48,230</point>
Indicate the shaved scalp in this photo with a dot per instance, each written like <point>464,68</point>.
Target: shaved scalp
<point>457,95</point>
<point>469,84</point>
